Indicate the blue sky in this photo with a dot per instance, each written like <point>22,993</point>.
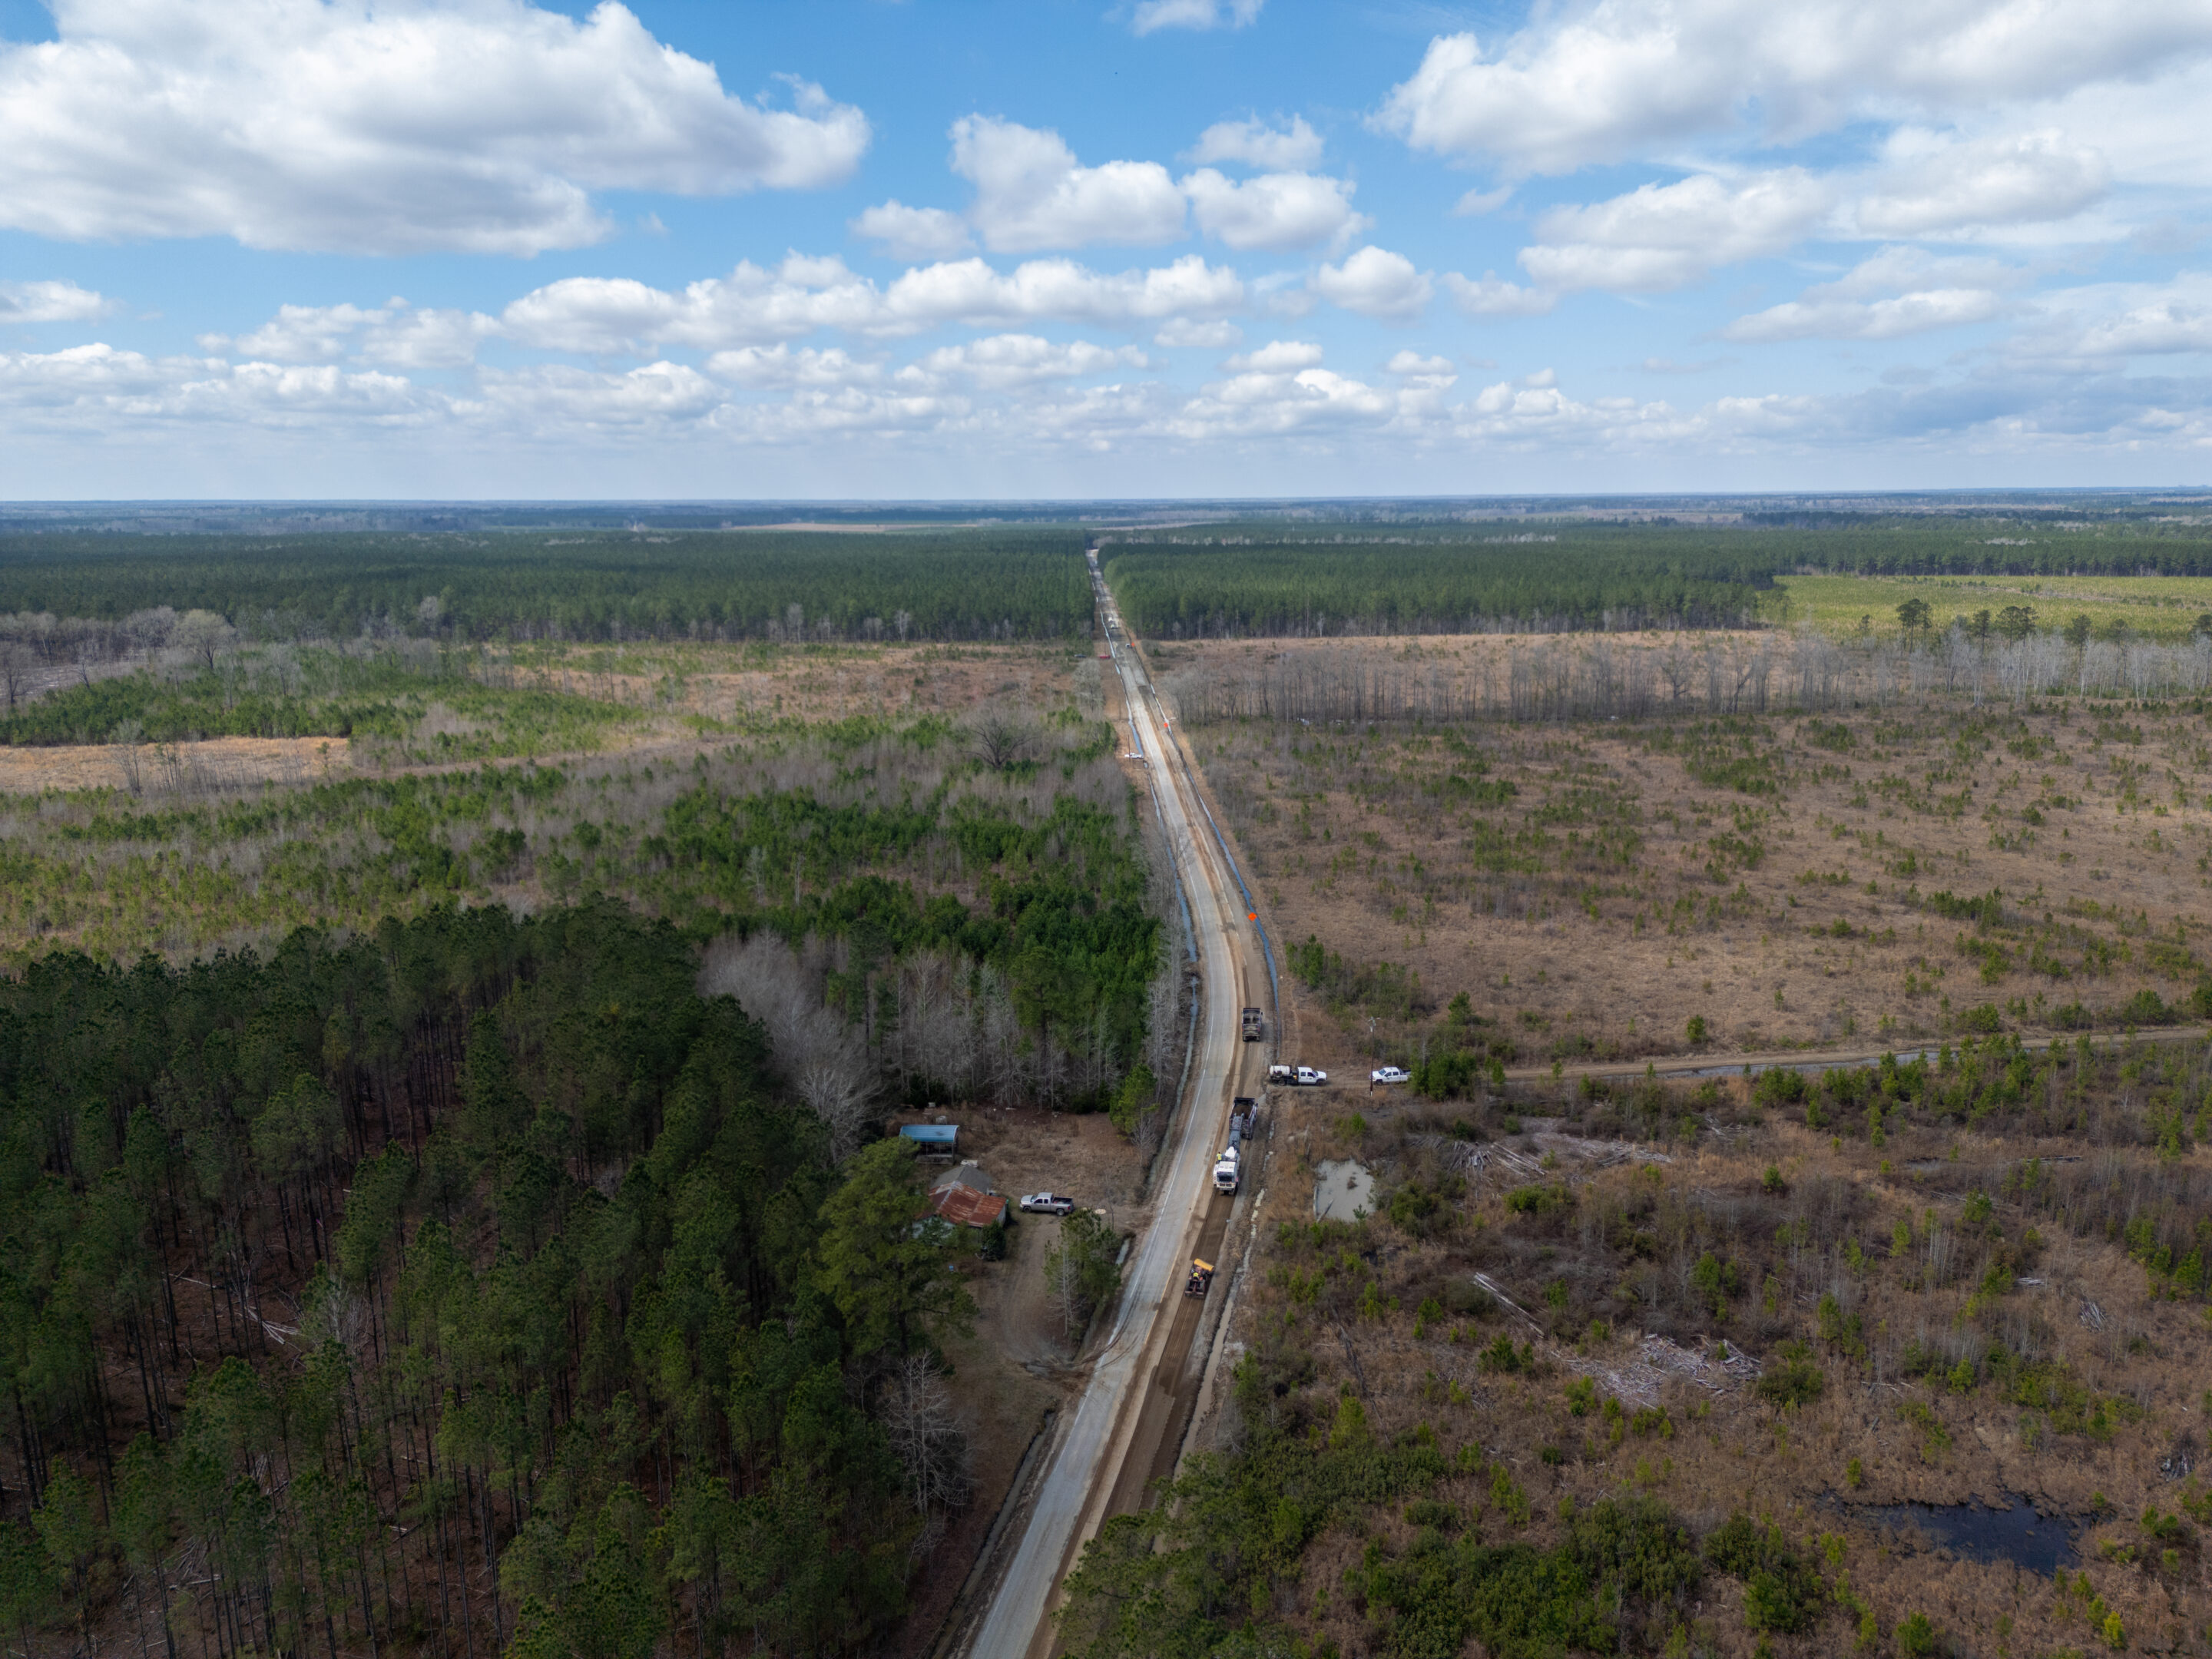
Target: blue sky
<point>858,249</point>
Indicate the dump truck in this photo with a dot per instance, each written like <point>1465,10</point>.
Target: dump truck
<point>1243,1120</point>
<point>1228,1170</point>
<point>1253,1030</point>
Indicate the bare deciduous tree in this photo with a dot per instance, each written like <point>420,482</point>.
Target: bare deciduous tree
<point>826,1061</point>
<point>15,663</point>
<point>1000,738</point>
<point>128,738</point>
<point>925,1437</point>
<point>203,635</point>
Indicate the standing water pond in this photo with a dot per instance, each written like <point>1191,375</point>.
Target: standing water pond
<point>1344,1190</point>
<point>2015,1531</point>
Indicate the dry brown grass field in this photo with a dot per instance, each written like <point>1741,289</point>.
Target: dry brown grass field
<point>755,680</point>
<point>1793,881</point>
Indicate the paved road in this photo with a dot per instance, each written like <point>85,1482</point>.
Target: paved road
<point>1117,1423</point>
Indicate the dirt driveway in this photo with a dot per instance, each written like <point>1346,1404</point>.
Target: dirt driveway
<point>1025,1151</point>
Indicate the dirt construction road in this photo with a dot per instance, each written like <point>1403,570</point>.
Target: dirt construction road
<point>1125,1427</point>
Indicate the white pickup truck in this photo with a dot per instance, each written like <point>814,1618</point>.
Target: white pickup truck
<point>1296,1076</point>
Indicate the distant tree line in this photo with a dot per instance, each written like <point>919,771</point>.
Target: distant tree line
<point>1024,583</point>
<point>1306,588</point>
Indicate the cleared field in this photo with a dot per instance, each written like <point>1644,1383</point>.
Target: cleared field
<point>1590,888</point>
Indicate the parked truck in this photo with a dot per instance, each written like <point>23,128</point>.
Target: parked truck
<point>1296,1076</point>
<point>1253,1029</point>
<point>1228,1170</point>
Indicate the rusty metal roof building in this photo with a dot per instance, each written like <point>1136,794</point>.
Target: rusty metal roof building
<point>964,1206</point>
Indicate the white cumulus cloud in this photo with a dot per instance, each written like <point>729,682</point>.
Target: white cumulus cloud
<point>1153,15</point>
<point>1863,319</point>
<point>1375,283</point>
<point>757,305</point>
<point>779,366</point>
<point>1276,212</point>
<point>1664,236</point>
<point>52,302</point>
<point>1032,193</point>
<point>1598,80</point>
<point>557,395</point>
<point>1002,361</point>
<point>1895,292</point>
<point>1491,295</point>
<point>1294,149</point>
<point>337,124</point>
<point>1413,363</point>
<point>2119,320</point>
<point>1216,335</point>
<point>1276,357</point>
<point>1933,186</point>
<point>912,232</point>
<point>2164,326</point>
<point>394,334</point>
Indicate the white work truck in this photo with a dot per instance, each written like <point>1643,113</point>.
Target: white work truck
<point>1228,1170</point>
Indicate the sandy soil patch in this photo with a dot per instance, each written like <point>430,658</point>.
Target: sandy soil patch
<point>215,764</point>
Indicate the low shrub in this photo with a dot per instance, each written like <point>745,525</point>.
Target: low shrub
<point>1782,1588</point>
<point>1792,1378</point>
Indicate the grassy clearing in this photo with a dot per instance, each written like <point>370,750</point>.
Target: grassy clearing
<point>418,705</point>
<point>2148,607</point>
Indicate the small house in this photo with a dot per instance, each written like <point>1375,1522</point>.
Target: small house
<point>967,1173</point>
<point>968,1206</point>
